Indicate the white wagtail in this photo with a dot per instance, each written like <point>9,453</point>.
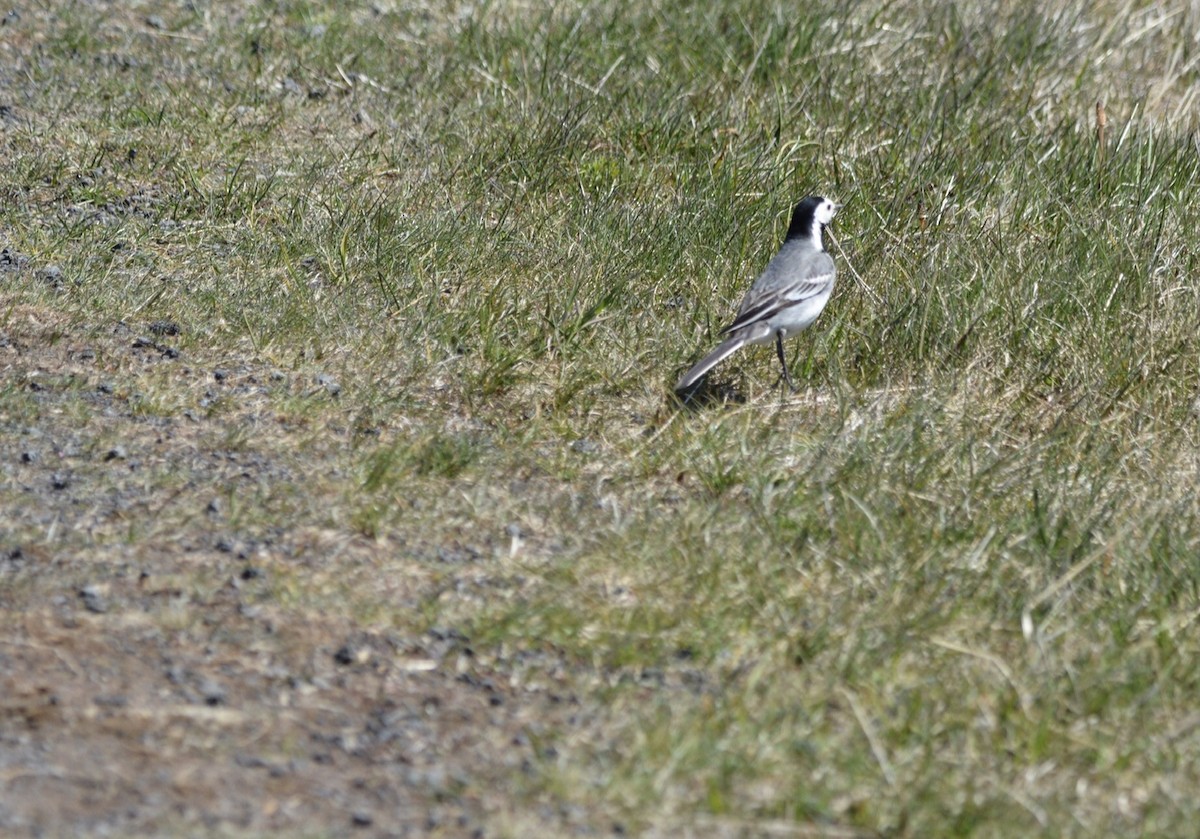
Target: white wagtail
<point>787,296</point>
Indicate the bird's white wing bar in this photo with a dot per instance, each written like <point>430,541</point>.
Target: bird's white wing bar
<point>766,306</point>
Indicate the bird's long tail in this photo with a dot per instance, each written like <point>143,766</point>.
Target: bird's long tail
<point>725,349</point>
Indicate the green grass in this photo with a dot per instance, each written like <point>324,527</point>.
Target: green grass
<point>948,588</point>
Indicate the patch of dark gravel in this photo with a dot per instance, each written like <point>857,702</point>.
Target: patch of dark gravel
<point>11,260</point>
<point>157,680</point>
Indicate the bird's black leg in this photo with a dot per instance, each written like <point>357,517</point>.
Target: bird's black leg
<point>787,377</point>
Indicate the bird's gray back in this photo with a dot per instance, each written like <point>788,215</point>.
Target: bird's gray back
<point>797,262</point>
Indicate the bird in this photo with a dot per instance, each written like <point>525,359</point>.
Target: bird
<point>787,297</point>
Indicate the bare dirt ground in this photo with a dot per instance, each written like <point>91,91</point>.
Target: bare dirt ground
<point>151,685</point>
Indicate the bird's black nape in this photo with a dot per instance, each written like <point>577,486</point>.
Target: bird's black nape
<point>802,218</point>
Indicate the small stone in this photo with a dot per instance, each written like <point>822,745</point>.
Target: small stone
<point>439,633</point>
<point>164,327</point>
<point>116,453</point>
<point>155,22</point>
<point>344,656</point>
<point>361,819</point>
<point>52,276</point>
<point>110,700</point>
<point>585,446</point>
<point>454,554</point>
<point>250,761</point>
<point>330,384</point>
<point>93,599</point>
<point>11,260</point>
<point>251,573</point>
<point>220,375</point>
<point>212,692</point>
<point>59,481</point>
<point>29,457</point>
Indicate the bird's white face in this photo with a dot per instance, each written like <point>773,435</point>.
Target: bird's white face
<point>825,212</point>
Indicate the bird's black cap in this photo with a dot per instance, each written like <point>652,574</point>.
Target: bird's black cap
<point>802,217</point>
